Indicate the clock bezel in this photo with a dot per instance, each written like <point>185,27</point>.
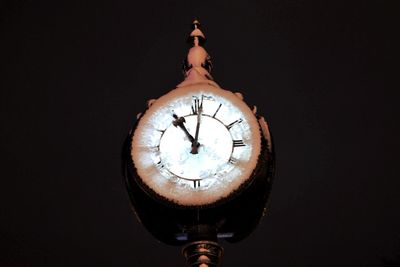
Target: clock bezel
<point>255,133</point>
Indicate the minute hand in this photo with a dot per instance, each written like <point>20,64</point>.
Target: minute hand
<point>195,143</point>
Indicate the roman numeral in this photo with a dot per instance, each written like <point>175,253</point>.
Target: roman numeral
<point>233,123</point>
<point>197,104</point>
<point>233,160</point>
<point>238,143</point>
<point>196,183</point>
<point>217,110</point>
<point>160,165</point>
<point>155,148</point>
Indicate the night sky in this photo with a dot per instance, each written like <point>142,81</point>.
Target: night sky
<point>75,74</point>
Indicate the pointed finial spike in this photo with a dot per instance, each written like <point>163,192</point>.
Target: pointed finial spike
<point>196,24</point>
<point>196,36</point>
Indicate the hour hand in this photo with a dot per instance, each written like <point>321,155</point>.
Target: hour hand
<point>178,122</point>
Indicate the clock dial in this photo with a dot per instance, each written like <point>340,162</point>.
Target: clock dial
<point>214,149</point>
<point>195,147</point>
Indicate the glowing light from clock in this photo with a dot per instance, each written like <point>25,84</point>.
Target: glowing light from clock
<point>229,140</point>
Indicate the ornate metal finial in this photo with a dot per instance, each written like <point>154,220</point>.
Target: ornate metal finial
<point>197,57</point>
<point>196,37</point>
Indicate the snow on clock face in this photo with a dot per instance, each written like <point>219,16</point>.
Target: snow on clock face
<point>195,146</point>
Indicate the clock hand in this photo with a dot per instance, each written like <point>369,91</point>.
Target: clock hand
<point>178,122</point>
<point>195,143</point>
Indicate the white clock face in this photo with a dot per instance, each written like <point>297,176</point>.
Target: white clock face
<point>194,147</point>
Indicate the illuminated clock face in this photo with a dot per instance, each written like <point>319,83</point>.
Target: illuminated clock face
<point>195,147</point>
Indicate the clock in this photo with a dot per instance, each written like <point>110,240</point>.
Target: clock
<point>199,163</point>
<point>198,145</point>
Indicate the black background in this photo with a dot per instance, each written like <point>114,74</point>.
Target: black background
<point>75,74</point>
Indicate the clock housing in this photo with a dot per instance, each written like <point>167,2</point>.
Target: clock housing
<point>229,146</point>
